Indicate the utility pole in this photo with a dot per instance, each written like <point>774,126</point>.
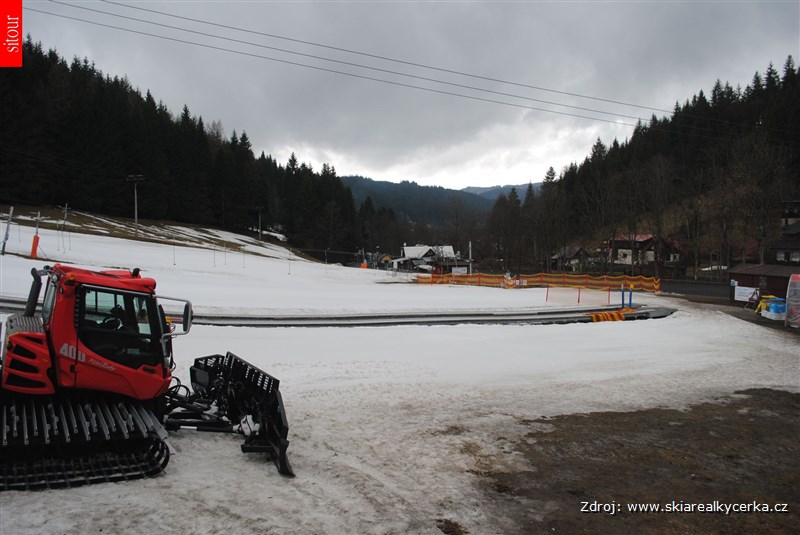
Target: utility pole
<point>136,179</point>
<point>63,228</point>
<point>259,208</point>
<point>8,227</point>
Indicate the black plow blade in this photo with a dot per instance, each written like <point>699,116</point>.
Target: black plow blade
<point>244,393</point>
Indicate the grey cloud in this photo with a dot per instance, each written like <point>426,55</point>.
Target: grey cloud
<point>651,54</point>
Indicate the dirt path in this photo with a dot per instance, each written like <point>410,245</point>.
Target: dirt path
<point>744,449</point>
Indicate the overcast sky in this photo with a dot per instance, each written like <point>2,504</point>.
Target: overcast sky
<point>523,56</point>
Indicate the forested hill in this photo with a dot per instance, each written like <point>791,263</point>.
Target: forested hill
<point>493,192</point>
<point>711,176</point>
<point>413,202</point>
<point>74,136</point>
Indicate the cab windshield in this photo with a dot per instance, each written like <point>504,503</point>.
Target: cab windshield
<point>124,327</point>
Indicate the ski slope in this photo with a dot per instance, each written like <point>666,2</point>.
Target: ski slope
<point>385,423</point>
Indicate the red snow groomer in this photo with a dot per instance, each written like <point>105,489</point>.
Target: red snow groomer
<point>87,393</point>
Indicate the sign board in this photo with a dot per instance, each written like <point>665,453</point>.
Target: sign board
<point>743,293</point>
<point>460,270</point>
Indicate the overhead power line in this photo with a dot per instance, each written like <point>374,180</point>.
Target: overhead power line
<point>709,132</point>
<point>386,58</point>
<point>324,69</point>
<point>348,63</point>
<point>439,69</point>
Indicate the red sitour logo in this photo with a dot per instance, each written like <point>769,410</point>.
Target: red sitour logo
<point>10,33</point>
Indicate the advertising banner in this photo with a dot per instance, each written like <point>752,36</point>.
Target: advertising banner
<point>11,37</point>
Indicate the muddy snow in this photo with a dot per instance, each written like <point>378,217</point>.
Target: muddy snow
<point>386,423</point>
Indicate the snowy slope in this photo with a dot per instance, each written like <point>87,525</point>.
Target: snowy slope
<point>385,422</point>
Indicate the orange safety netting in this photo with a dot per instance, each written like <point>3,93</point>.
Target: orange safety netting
<point>647,284</point>
<point>617,315</point>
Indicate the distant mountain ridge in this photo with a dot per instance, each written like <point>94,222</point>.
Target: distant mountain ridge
<point>410,201</point>
<point>493,192</point>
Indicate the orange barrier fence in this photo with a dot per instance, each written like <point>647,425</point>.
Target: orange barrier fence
<point>618,315</point>
<point>647,284</point>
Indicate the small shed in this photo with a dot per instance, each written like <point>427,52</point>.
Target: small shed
<point>769,279</point>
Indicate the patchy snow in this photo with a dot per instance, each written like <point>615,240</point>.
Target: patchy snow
<point>384,421</point>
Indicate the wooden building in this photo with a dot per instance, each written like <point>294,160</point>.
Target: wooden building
<point>771,279</point>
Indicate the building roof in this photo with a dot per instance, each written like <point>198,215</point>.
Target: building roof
<point>570,251</point>
<point>789,240</point>
<point>769,270</point>
<point>643,238</point>
<point>786,245</point>
<point>417,251</point>
<point>421,251</point>
<point>445,251</point>
<point>633,237</point>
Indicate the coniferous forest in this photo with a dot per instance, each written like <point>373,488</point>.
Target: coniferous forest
<point>72,135</point>
<point>711,175</point>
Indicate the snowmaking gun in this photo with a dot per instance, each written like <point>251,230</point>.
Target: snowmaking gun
<point>87,393</point>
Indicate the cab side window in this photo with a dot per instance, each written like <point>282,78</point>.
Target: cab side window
<point>49,300</point>
<point>117,326</point>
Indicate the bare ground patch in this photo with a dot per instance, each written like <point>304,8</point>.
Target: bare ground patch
<point>743,449</point>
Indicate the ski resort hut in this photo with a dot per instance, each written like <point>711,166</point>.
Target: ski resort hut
<point>435,258</point>
<point>769,279</point>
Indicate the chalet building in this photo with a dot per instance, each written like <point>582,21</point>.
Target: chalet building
<point>786,251</point>
<point>640,250</point>
<point>430,259</point>
<point>570,259</point>
<point>787,248</point>
<point>772,278</point>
